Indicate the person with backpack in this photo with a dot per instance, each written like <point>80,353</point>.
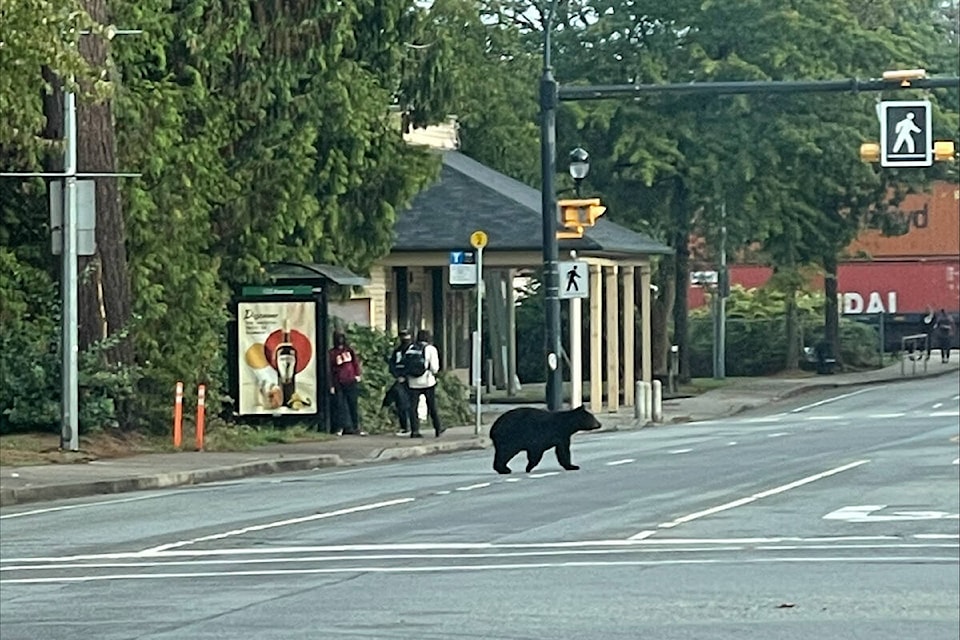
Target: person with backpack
<point>398,395</point>
<point>421,363</point>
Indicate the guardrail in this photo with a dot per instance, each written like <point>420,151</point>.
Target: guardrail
<point>913,348</point>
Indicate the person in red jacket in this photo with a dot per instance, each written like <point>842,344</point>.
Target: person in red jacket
<point>345,374</point>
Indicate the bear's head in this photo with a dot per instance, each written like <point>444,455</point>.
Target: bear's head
<point>583,420</point>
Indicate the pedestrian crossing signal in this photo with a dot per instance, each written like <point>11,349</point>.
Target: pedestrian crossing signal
<point>906,134</point>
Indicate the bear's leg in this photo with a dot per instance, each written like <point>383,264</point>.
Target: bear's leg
<point>533,458</point>
<point>502,456</point>
<point>563,456</point>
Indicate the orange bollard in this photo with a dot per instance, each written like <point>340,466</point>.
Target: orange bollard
<point>178,417</point>
<point>201,414</point>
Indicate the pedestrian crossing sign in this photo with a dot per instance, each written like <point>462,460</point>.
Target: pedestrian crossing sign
<point>906,134</point>
<point>574,279</point>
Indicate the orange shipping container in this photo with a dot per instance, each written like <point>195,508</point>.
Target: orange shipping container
<point>933,231</point>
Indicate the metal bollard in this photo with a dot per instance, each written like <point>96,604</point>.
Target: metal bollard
<point>647,401</point>
<point>638,402</point>
<point>657,414</point>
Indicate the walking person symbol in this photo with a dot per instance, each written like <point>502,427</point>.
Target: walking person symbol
<point>572,275</point>
<point>905,130</point>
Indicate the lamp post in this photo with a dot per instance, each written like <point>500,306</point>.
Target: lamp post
<point>548,154</point>
<point>579,167</point>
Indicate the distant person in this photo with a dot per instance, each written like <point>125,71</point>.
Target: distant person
<point>398,395</point>
<point>944,328</point>
<point>422,363</point>
<point>929,321</point>
<point>345,376</point>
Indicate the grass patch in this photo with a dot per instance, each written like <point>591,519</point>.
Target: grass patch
<point>238,437</point>
<point>27,449</point>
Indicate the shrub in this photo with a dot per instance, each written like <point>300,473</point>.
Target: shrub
<point>30,363</point>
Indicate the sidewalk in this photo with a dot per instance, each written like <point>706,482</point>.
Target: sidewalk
<point>158,470</point>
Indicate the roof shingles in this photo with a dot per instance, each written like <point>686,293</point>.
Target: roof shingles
<point>471,196</point>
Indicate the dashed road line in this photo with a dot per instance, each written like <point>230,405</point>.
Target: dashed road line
<point>762,494</point>
<point>828,400</point>
<point>471,487</point>
<point>679,451</point>
<point>614,463</point>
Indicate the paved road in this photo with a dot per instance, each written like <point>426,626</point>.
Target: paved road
<point>832,516</point>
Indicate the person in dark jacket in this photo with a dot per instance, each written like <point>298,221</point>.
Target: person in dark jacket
<point>345,375</point>
<point>398,395</point>
<point>943,328</point>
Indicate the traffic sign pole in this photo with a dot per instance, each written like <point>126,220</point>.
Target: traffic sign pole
<point>479,240</point>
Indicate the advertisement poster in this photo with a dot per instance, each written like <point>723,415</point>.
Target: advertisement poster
<point>278,361</point>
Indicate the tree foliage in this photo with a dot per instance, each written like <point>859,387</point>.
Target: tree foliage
<point>263,132</point>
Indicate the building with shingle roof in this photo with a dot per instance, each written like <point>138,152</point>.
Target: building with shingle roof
<point>410,288</point>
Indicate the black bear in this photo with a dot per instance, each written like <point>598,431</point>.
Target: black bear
<point>535,431</point>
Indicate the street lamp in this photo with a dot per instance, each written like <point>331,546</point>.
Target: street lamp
<point>579,166</point>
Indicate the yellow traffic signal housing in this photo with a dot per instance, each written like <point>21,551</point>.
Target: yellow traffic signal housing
<point>943,150</point>
<point>577,214</point>
<point>870,152</point>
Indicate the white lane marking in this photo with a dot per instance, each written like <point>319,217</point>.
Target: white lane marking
<point>957,461</point>
<point>731,443</point>
<point>880,416</point>
<point>635,550</point>
<point>85,505</point>
<point>778,434</point>
<point>863,513</point>
<point>437,546</point>
<point>678,451</point>
<point>828,400</point>
<point>545,474</point>
<point>937,405</point>
<point>824,418</point>
<point>513,480</point>
<point>481,567</point>
<point>944,414</point>
<point>471,487</point>
<point>762,494</point>
<point>774,418</point>
<point>444,492</point>
<point>955,398</point>
<point>617,462</point>
<point>643,535</point>
<point>936,536</point>
<point>278,523</point>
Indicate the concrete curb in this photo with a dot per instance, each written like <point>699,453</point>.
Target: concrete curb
<point>21,495</point>
<point>401,453</point>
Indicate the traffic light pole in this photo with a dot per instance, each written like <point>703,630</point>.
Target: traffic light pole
<point>551,94</point>
<point>548,155</point>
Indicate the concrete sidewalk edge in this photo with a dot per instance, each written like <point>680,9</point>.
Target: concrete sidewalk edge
<point>40,493</point>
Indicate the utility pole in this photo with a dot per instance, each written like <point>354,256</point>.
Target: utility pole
<point>548,154</point>
<point>723,290</point>
<point>70,402</point>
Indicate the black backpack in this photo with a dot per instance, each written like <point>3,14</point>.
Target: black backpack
<point>414,360</point>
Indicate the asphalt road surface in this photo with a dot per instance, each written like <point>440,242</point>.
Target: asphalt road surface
<point>832,516</point>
